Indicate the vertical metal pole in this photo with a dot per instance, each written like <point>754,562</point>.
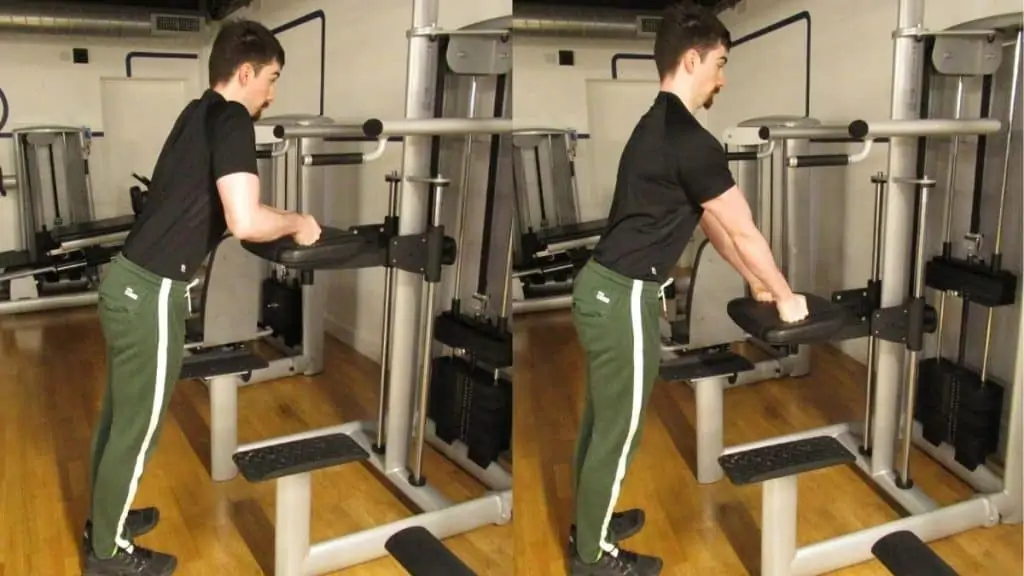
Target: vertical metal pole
<point>996,249</point>
<point>394,181</point>
<point>419,103</point>
<point>426,339</point>
<point>917,291</point>
<point>908,60</point>
<point>879,181</point>
<point>467,170</point>
<point>778,525</point>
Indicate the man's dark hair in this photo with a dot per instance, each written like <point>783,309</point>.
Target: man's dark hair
<point>686,26</point>
<point>243,42</point>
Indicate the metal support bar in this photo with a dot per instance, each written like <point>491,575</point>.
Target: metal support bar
<point>376,128</point>
<point>910,128</point>
<point>710,416</point>
<point>223,426</point>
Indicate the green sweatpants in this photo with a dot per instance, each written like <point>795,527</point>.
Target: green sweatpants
<point>143,320</point>
<point>616,319</point>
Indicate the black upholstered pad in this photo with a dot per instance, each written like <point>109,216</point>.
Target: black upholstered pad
<point>761,320</point>
<point>359,247</point>
<point>905,554</point>
<point>422,554</point>
<point>83,230</point>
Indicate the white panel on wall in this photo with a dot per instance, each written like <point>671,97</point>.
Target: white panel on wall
<point>138,115</point>
<point>613,109</point>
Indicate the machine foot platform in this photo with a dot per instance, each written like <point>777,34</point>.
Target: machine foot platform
<point>220,362</point>
<point>288,458</point>
<point>781,460</point>
<point>700,366</point>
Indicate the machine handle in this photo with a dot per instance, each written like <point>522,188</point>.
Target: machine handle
<point>341,159</point>
<point>818,160</point>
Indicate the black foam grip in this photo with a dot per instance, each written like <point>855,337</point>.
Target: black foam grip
<point>3,191</point>
<point>858,129</point>
<point>741,156</point>
<point>373,128</point>
<point>340,159</point>
<point>264,154</point>
<point>820,160</point>
<point>786,459</point>
<point>422,554</point>
<point>761,320</point>
<point>904,554</point>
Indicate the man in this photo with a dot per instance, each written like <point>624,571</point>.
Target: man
<point>672,175</point>
<point>205,183</point>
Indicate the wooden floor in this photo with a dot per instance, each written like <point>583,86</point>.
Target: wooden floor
<point>52,370</point>
<point>713,529</point>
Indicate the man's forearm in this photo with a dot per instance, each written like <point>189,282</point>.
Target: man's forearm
<point>755,253</point>
<point>269,224</point>
<point>726,247</point>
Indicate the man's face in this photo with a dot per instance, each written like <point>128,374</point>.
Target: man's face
<point>259,87</point>
<point>708,72</point>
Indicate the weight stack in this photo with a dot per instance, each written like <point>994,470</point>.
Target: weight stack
<point>467,404</point>
<point>449,388</point>
<point>954,407</point>
<point>934,399</point>
<point>489,430</point>
<point>978,410</point>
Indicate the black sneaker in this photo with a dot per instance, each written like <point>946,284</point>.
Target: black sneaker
<point>137,523</point>
<point>137,561</point>
<point>621,526</point>
<point>618,563</point>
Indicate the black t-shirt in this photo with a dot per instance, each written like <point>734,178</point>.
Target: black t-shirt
<point>183,220</point>
<point>669,167</point>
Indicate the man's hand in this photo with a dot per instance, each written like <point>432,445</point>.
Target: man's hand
<point>792,309</point>
<point>309,231</point>
<point>760,293</point>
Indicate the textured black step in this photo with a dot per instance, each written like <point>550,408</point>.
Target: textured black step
<point>904,554</point>
<point>298,456</point>
<point>786,459</point>
<point>703,365</point>
<point>422,554</point>
<point>220,362</point>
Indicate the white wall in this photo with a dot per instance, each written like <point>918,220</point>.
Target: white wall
<point>366,51</point>
<point>44,86</point>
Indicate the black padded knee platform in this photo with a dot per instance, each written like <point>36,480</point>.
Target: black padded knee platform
<point>358,247</point>
<point>761,320</point>
<point>422,554</point>
<point>904,554</point>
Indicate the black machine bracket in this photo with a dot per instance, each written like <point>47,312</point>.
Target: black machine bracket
<point>860,305</point>
<point>906,324</point>
<point>423,253</point>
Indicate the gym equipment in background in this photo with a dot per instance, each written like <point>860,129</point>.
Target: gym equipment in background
<point>892,311</point>
<point>551,243</point>
<point>62,244</point>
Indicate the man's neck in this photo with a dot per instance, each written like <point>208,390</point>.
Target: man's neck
<point>681,91</point>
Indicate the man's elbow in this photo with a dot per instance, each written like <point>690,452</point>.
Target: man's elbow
<point>240,227</point>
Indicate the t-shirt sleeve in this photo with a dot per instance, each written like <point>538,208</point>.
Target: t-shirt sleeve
<point>704,169</point>
<point>232,142</point>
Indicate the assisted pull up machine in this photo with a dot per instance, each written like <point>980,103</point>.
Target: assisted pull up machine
<point>893,313</point>
<point>388,443</point>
